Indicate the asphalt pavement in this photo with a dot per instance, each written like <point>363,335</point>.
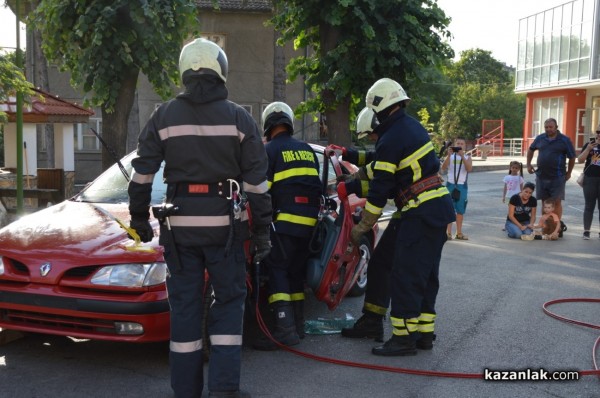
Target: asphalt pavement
<point>492,290</point>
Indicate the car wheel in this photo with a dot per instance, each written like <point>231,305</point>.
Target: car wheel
<point>366,249</point>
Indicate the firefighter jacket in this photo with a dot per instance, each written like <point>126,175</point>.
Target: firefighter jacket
<point>365,161</point>
<point>404,155</point>
<point>294,184</point>
<point>204,140</point>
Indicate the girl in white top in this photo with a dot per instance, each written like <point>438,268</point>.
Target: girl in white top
<point>513,182</point>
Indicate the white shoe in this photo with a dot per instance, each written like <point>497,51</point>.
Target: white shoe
<point>527,237</point>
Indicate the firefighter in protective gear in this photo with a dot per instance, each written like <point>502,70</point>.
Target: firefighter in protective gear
<point>210,146</point>
<point>407,166</point>
<point>295,187</point>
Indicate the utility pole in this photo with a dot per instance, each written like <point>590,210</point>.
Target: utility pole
<point>19,122</point>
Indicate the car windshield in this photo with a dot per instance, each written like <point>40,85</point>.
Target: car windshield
<point>111,186</point>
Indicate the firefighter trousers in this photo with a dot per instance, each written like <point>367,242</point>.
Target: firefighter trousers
<point>286,266</point>
<point>415,269</point>
<point>225,321</point>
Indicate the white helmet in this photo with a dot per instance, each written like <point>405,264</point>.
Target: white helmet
<point>384,93</point>
<point>277,113</point>
<point>366,121</point>
<point>203,54</point>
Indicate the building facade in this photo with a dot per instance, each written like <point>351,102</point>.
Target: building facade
<point>558,67</point>
<point>239,27</point>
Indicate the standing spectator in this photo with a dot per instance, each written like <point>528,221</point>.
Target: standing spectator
<point>209,146</point>
<point>406,168</point>
<point>459,165</point>
<point>590,154</point>
<point>513,182</point>
<point>295,187</point>
<point>551,175</point>
<point>521,212</point>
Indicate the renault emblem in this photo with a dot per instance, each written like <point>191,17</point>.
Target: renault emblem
<point>45,269</point>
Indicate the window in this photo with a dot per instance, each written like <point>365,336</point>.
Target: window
<point>85,139</point>
<point>543,109</point>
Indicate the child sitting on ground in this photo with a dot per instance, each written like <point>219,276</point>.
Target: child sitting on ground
<point>549,224</point>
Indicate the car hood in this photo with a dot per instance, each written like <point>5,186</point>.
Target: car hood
<point>75,232</point>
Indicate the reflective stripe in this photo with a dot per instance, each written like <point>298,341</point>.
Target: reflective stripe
<point>400,332</point>
<point>364,188</point>
<point>425,196</point>
<point>226,339</point>
<point>310,221</point>
<point>297,296</point>
<point>279,297</point>
<point>199,221</point>
<point>385,166</point>
<point>295,172</point>
<point>200,131</point>
<point>402,327</point>
<point>362,158</point>
<point>374,308</point>
<point>426,317</point>
<point>373,209</point>
<point>190,346</point>
<point>412,324</point>
<point>369,170</point>
<point>269,184</point>
<point>413,160</point>
<point>260,188</point>
<point>142,178</point>
<point>427,328</point>
<point>397,322</point>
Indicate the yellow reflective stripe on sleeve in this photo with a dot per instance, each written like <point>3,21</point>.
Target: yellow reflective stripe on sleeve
<point>295,172</point>
<point>310,221</point>
<point>425,196</point>
<point>269,184</point>
<point>142,178</point>
<point>369,170</point>
<point>412,160</point>
<point>373,209</point>
<point>279,297</point>
<point>426,317</point>
<point>364,188</point>
<point>297,296</point>
<point>385,166</point>
<point>362,158</point>
<point>226,339</point>
<point>189,346</point>
<point>374,308</point>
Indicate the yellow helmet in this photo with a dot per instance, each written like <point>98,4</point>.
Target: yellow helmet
<point>366,121</point>
<point>203,54</point>
<point>384,93</point>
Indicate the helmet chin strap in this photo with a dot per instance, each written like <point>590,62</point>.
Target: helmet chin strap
<point>385,113</point>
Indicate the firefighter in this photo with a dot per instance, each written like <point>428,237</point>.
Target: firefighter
<point>210,147</point>
<point>407,166</point>
<point>296,189</point>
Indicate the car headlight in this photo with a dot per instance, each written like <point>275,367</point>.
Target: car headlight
<point>1,266</point>
<point>131,275</point>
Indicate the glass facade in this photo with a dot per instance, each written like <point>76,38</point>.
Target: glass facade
<point>555,46</point>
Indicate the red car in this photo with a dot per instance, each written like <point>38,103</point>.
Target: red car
<point>67,269</point>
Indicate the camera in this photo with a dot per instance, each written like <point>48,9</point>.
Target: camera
<point>592,140</point>
<point>456,148</point>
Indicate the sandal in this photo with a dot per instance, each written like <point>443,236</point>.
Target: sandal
<point>461,237</point>
<point>449,235</point>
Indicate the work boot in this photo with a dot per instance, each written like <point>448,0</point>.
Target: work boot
<point>299,317</point>
<point>229,394</point>
<point>396,346</point>
<point>367,326</point>
<point>425,341</point>
<point>284,331</point>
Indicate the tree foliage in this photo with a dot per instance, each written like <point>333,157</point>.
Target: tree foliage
<point>483,89</point>
<point>12,80</point>
<point>352,43</point>
<point>105,44</point>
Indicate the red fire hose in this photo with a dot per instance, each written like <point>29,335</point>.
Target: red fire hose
<point>460,375</point>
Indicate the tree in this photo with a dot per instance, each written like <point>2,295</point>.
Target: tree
<point>355,42</point>
<point>483,89</point>
<point>106,44</point>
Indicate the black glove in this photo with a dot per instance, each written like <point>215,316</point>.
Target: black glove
<point>261,242</point>
<point>142,226</point>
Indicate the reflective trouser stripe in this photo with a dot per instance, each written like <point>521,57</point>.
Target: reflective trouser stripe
<point>279,297</point>
<point>374,309</point>
<point>226,339</point>
<point>189,346</point>
<point>404,327</point>
<point>297,296</point>
<point>426,322</point>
